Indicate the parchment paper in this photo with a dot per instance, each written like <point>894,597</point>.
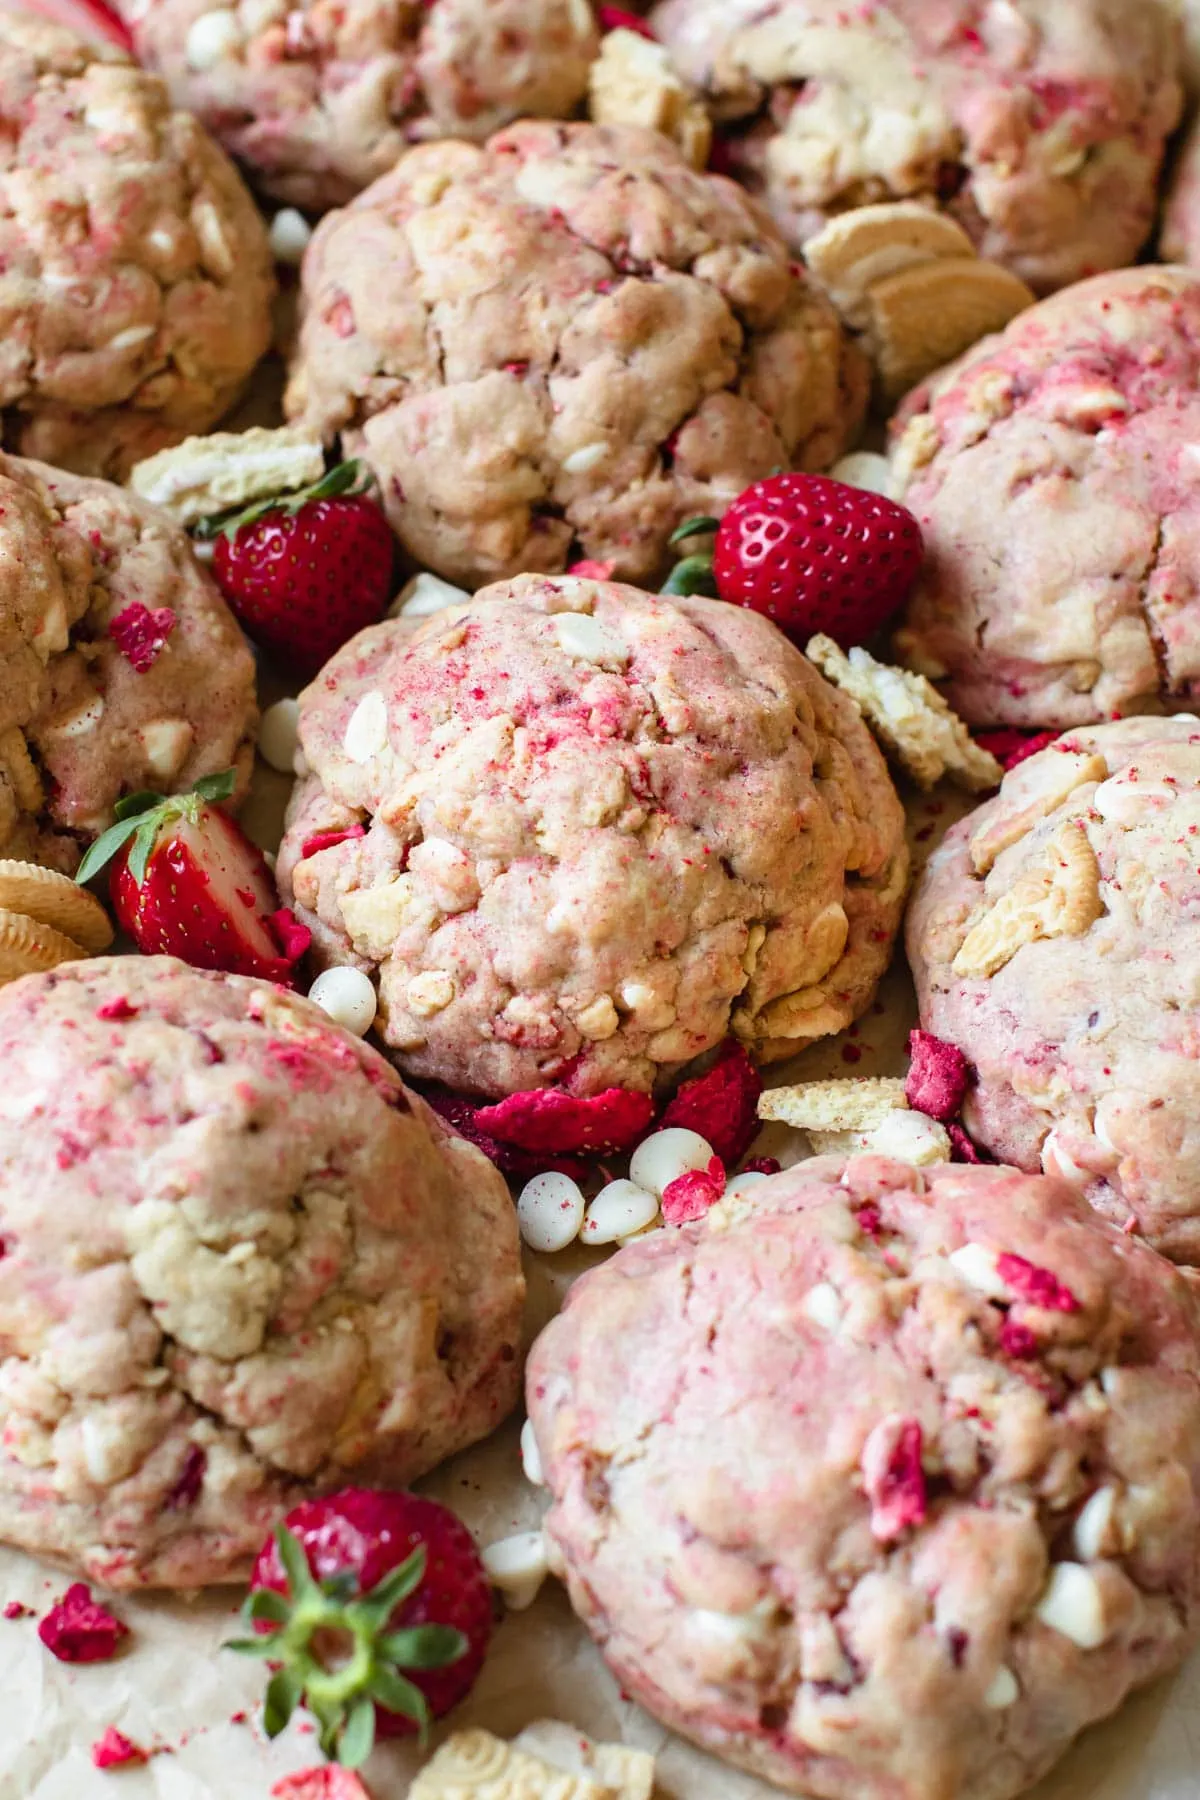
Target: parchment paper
<point>173,1689</point>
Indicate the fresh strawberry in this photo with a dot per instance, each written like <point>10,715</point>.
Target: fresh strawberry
<point>187,882</point>
<point>304,572</point>
<point>814,554</point>
<point>90,19</point>
<point>375,1612</point>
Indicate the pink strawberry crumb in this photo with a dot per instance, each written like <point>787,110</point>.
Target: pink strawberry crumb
<point>1010,747</point>
<point>689,1196</point>
<point>893,1477</point>
<point>937,1076</point>
<point>1037,1286</point>
<point>327,1782</point>
<point>588,569</point>
<point>762,1165</point>
<point>549,1121</point>
<point>114,1750</point>
<point>120,1008</point>
<point>294,938</point>
<point>961,1147</point>
<point>15,1610</point>
<point>615,18</point>
<point>325,840</point>
<point>722,1104</point>
<point>1017,1341</point>
<point>77,1629</point>
<point>141,632</point>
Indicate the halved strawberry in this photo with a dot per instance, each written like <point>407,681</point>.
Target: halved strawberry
<point>187,882</point>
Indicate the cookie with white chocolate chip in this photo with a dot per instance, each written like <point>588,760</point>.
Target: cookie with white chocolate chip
<point>582,832</point>
<point>122,667</point>
<point>1053,939</point>
<point>887,1482</point>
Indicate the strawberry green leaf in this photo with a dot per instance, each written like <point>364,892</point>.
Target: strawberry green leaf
<point>216,787</point>
<point>694,575</point>
<point>342,1586</point>
<point>424,1646</point>
<point>284,1692</point>
<point>134,804</point>
<point>351,477</point>
<point>265,1603</point>
<point>255,1646</point>
<point>399,1696</point>
<point>144,840</point>
<point>358,1737</point>
<point>106,847</point>
<point>383,1599</point>
<point>295,1564</point>
<point>702,526</point>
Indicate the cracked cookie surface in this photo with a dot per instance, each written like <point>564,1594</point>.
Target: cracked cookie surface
<point>81,721</point>
<point>879,1482</point>
<point>567,335</point>
<point>1053,940</point>
<point>137,284</point>
<point>1053,473</point>
<point>316,101</point>
<point>239,1260</point>
<point>603,828</point>
<point>1038,124</point>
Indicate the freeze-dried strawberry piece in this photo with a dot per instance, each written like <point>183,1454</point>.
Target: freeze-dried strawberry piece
<point>325,840</point>
<point>463,1116</point>
<point>689,1196</point>
<point>141,632</point>
<point>186,1491</point>
<point>327,1782</point>
<point>1017,1341</point>
<point>552,1123</point>
<point>588,569</point>
<point>937,1076</point>
<point>14,1609</point>
<point>615,18</point>
<point>119,1008</point>
<point>893,1477</point>
<point>77,1629</point>
<point>294,938</point>
<point>721,1105</point>
<point>762,1165</point>
<point>962,1149</point>
<point>1011,747</point>
<point>114,1749</point>
<point>1037,1286</point>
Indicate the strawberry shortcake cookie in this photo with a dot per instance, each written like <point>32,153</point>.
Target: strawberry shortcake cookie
<point>579,833</point>
<point>1053,474</point>
<point>137,283</point>
<point>879,1482</point>
<point>564,337</point>
<point>1051,939</point>
<point>317,100</point>
<point>1038,124</point>
<point>122,667</point>
<point>265,1267</point>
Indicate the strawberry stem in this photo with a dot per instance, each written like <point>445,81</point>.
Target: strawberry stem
<point>345,478</point>
<point>694,575</point>
<point>141,816</point>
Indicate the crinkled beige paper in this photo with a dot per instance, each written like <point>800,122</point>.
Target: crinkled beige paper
<point>174,1686</point>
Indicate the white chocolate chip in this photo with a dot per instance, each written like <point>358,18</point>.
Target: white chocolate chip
<point>348,996</point>
<point>78,724</point>
<point>864,469</point>
<point>583,459</point>
<point>550,1211</point>
<point>618,1211</point>
<point>1072,1605</point>
<point>1092,1525</point>
<point>279,735</point>
<point>1002,1690</point>
<point>750,1627</point>
<point>165,743</point>
<point>666,1155</point>
<point>289,236</point>
<point>741,1184</point>
<point>426,594</point>
<point>648,1007</point>
<point>430,992</point>
<point>517,1565</point>
<point>976,1265</point>
<point>211,38</point>
<point>109,1454</point>
<point>823,1305</point>
<point>133,334</point>
<point>1056,1161</point>
<point>531,1456</point>
<point>1129,802</point>
<point>585,638</point>
<point>910,1137</point>
<point>598,1020</point>
<point>367,732</point>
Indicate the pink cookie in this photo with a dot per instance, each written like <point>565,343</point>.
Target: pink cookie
<point>237,1261</point>
<point>875,1485</point>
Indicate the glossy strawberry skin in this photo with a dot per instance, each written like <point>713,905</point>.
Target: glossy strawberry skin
<point>301,583</point>
<point>369,1532</point>
<point>816,555</point>
<point>205,897</point>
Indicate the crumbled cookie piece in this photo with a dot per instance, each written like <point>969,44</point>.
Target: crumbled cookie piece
<point>1056,896</point>
<point>849,1105</point>
<point>208,475</point>
<point>474,1765</point>
<point>911,720</point>
<point>1044,783</point>
<point>629,1772</point>
<point>633,82</point>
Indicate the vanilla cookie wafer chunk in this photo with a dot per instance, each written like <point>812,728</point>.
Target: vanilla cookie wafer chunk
<point>27,947</point>
<point>855,1104</point>
<point>474,1765</point>
<point>50,898</point>
<point>1057,896</point>
<point>630,1773</point>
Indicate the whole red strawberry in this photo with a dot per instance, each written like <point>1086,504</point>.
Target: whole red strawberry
<point>187,882</point>
<point>376,1612</point>
<point>815,554</point>
<point>305,572</point>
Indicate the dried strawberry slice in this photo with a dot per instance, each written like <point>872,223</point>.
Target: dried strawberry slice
<point>937,1076</point>
<point>326,840</point>
<point>615,18</point>
<point>1037,1286</point>
<point>722,1104</point>
<point>893,1477</point>
<point>689,1196</point>
<point>550,1122</point>
<point>963,1150</point>
<point>113,1749</point>
<point>588,569</point>
<point>77,1629</point>
<point>294,938</point>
